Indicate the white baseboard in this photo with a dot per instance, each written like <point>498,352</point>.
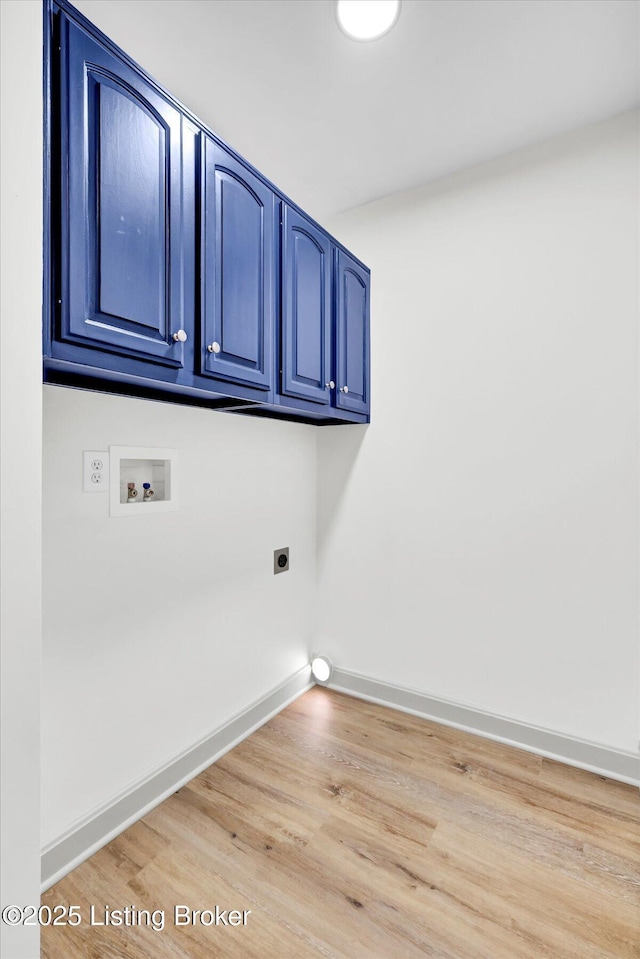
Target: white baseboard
<point>99,827</point>
<point>102,825</point>
<point>594,757</point>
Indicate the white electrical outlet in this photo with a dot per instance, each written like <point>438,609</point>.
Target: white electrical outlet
<point>95,471</point>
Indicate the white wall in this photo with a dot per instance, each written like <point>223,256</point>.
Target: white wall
<point>158,629</point>
<point>479,541</point>
<point>20,435</point>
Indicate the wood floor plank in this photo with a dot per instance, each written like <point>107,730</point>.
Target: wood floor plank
<point>347,830</point>
<point>611,796</point>
<point>481,797</point>
<point>513,889</point>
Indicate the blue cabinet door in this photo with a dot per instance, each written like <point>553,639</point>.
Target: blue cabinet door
<point>306,309</point>
<point>238,269</point>
<point>121,270</point>
<point>352,335</point>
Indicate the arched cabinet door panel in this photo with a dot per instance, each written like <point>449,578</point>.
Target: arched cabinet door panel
<point>238,266</point>
<point>352,335</point>
<point>306,309</point>
<point>173,268</point>
<point>121,268</point>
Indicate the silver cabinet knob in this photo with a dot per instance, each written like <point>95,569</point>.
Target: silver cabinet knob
<point>344,389</point>
<point>214,347</point>
<point>180,336</point>
<point>330,385</point>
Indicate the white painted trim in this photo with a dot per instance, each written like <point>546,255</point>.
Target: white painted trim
<point>595,757</point>
<point>86,836</point>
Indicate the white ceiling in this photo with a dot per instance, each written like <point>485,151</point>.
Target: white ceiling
<point>335,123</point>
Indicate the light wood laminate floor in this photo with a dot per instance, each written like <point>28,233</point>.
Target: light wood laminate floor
<point>351,830</point>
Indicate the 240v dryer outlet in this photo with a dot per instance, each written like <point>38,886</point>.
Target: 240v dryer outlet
<point>281,560</point>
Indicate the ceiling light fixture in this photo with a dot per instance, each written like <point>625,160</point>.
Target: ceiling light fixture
<point>367,19</point>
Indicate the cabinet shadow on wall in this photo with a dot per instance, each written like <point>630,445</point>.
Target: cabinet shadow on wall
<point>338,452</point>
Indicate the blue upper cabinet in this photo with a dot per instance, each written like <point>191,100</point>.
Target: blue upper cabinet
<point>173,268</point>
<point>238,269</point>
<point>306,309</point>
<point>121,266</point>
<point>352,334</point>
